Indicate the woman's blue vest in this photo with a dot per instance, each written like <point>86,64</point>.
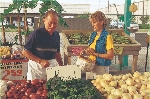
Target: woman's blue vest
<point>100,47</point>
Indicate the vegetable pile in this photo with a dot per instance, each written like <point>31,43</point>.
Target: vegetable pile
<point>34,89</point>
<point>71,89</point>
<point>128,86</point>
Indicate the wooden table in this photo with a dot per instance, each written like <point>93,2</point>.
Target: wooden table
<point>128,49</point>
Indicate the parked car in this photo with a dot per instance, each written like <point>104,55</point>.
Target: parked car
<point>134,25</point>
<point>113,24</point>
<point>15,23</point>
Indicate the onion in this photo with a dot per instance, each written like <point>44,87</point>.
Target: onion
<point>120,82</point>
<point>144,93</point>
<point>103,83</point>
<point>111,96</point>
<point>137,80</point>
<point>136,74</point>
<point>118,92</point>
<point>98,79</point>
<point>124,77</point>
<point>99,76</point>
<point>142,77</point>
<point>138,85</point>
<point>115,77</point>
<point>137,96</point>
<point>124,87</point>
<point>148,91</point>
<point>126,96</point>
<point>107,77</point>
<point>113,83</point>
<point>98,86</point>
<point>119,77</point>
<point>131,88</point>
<point>109,89</point>
<point>129,82</point>
<point>129,75</point>
<point>147,74</point>
<point>103,91</point>
<point>106,96</point>
<point>144,86</point>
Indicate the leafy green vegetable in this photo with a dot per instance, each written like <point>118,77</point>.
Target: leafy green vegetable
<point>71,89</point>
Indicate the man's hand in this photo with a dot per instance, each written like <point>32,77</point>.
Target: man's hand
<point>44,63</point>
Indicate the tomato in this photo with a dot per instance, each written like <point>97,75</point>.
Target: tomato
<point>35,82</point>
<point>16,96</point>
<point>39,92</point>
<point>40,89</point>
<point>27,93</point>
<point>44,94</point>
<point>10,94</point>
<point>32,95</point>
<point>25,97</point>
<point>42,81</point>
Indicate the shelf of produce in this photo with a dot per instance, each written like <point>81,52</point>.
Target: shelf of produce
<point>14,70</point>
<point>132,48</point>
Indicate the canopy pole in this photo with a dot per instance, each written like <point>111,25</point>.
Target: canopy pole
<point>127,17</point>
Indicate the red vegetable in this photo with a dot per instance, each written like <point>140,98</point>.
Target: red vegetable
<point>45,90</point>
<point>19,87</point>
<point>29,90</point>
<point>43,97</point>
<point>16,96</point>
<point>35,82</point>
<point>28,81</point>
<point>44,94</point>
<point>36,96</point>
<point>23,90</point>
<point>32,95</point>
<point>25,97</point>
<point>42,81</point>
<point>24,84</point>
<point>27,93</point>
<point>40,89</point>
<point>39,92</point>
<point>13,88</point>
<point>10,94</point>
<point>44,86</point>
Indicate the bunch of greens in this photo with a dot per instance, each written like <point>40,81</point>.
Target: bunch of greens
<point>71,89</point>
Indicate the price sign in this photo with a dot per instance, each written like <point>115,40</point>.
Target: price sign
<point>73,72</point>
<point>14,71</point>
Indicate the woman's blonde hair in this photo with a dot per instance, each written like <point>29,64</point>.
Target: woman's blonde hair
<point>98,16</point>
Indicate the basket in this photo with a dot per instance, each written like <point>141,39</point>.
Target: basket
<point>85,63</point>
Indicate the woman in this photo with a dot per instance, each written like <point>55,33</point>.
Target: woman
<point>100,44</point>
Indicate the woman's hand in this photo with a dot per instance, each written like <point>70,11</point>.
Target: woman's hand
<point>90,51</point>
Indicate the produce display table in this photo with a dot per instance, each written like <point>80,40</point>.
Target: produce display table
<point>14,70</point>
<point>128,49</point>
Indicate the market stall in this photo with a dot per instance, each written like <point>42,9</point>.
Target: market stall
<point>124,45</point>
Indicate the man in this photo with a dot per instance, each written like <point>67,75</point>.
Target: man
<point>43,48</point>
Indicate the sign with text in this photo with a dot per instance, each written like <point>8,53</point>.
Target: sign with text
<point>14,71</point>
<point>67,72</point>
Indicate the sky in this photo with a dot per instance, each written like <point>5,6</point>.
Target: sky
<point>94,4</point>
